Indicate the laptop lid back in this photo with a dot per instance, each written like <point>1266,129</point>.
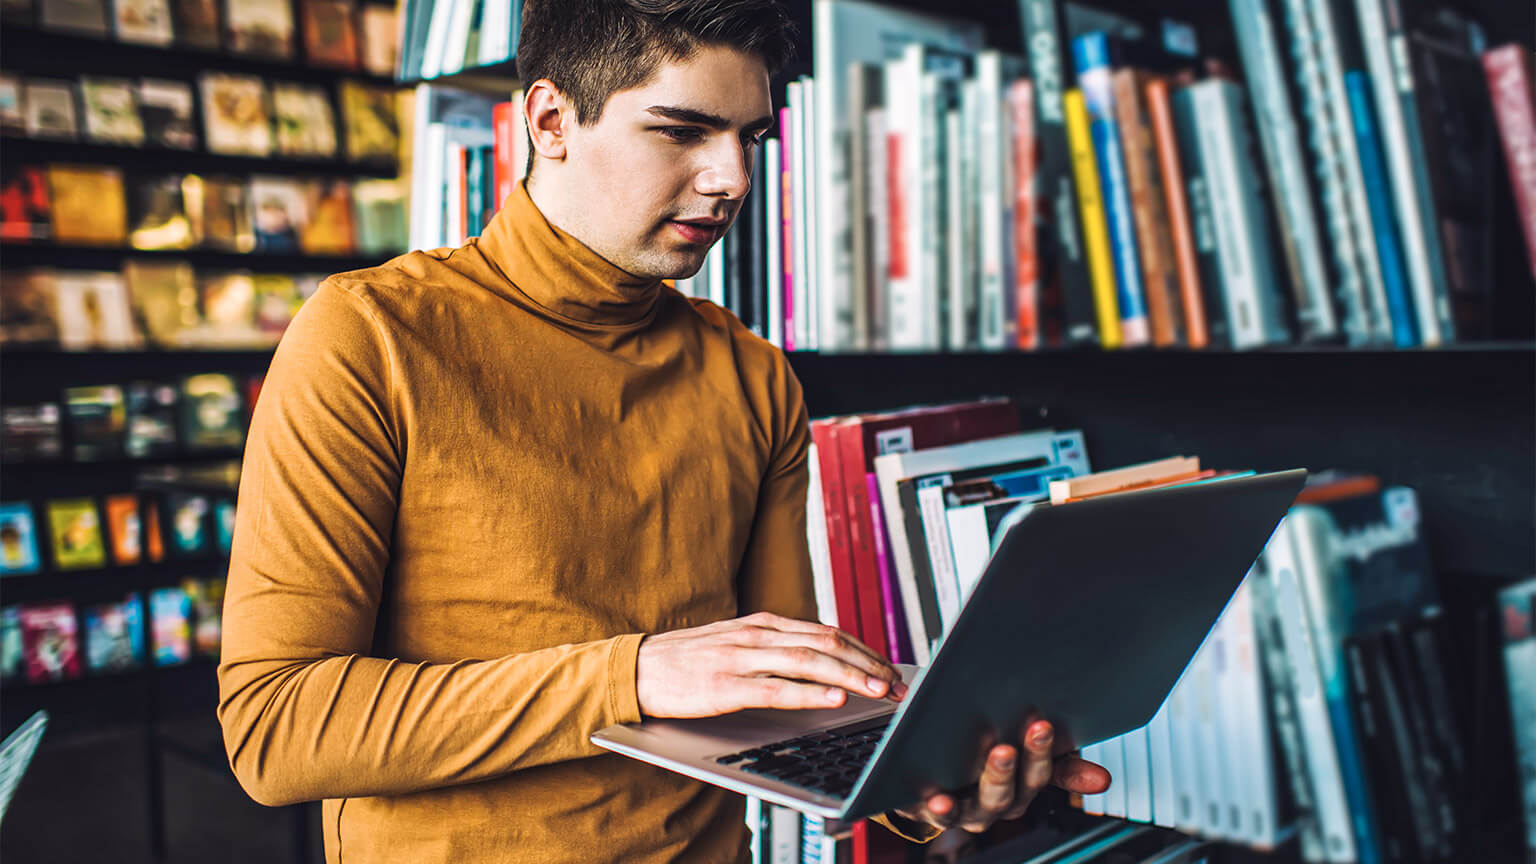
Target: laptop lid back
<point>1090,610</point>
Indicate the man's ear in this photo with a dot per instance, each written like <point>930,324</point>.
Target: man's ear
<point>549,114</point>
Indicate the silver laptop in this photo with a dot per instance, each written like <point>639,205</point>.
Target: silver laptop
<point>1089,611</point>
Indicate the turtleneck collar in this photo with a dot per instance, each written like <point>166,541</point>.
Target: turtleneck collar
<point>559,273</point>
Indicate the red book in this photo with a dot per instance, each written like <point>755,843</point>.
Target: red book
<point>1509,71</point>
<point>1160,114</point>
<point>1032,322</point>
<point>505,130</point>
<point>844,592</point>
<point>860,439</point>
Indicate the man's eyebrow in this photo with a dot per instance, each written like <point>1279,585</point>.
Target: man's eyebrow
<point>703,118</point>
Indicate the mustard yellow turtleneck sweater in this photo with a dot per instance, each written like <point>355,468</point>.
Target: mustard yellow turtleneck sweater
<point>475,478</point>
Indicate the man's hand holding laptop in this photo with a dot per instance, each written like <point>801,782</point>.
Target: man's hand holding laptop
<point>769,661</point>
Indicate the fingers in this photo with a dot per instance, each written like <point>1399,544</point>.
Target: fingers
<point>816,653</point>
<point>790,625</point>
<point>1080,776</point>
<point>995,789</point>
<point>785,694</point>
<point>1039,738</point>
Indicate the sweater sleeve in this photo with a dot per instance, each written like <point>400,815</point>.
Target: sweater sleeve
<point>306,712</point>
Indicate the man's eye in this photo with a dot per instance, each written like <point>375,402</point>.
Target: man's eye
<point>682,133</point>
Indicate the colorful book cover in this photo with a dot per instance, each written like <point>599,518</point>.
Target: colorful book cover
<point>84,17</point>
<point>207,596</point>
<point>97,421</point>
<point>305,123</point>
<point>224,523</point>
<point>93,310</point>
<point>12,650</point>
<point>124,529</point>
<point>50,643</point>
<point>89,206</point>
<point>18,540</point>
<point>279,213</point>
<point>381,216</point>
<point>380,40</point>
<point>1180,227</point>
<point>114,635</point>
<point>330,229</point>
<point>1379,197</point>
<point>1090,202</point>
<point>896,641</point>
<point>166,109</point>
<point>24,204</point>
<point>30,432</point>
<point>220,208</point>
<point>277,301</point>
<point>50,109</point>
<point>151,420</point>
<point>1511,73</point>
<point>371,122</point>
<point>262,28</point>
<point>157,214</point>
<point>170,612</point>
<point>111,109</point>
<point>1094,68</point>
<point>229,309</point>
<point>76,531</point>
<point>154,539</point>
<point>235,117</point>
<point>212,413</point>
<point>189,525</point>
<point>164,295</point>
<point>330,33</point>
<point>146,22</point>
<point>197,24</point>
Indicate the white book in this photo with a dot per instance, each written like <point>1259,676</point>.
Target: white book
<point>1188,754</point>
<point>1391,73</point>
<point>821,555</point>
<point>930,500</point>
<point>879,230</point>
<point>428,230</point>
<point>755,825</point>
<point>1261,818</point>
<point>903,118</point>
<point>1213,793</point>
<point>715,261</point>
<point>498,32</point>
<point>968,273</point>
<point>1112,756</point>
<point>955,238</point>
<point>995,200</point>
<point>800,274</point>
<point>784,839</point>
<point>453,195</point>
<point>1333,809</point>
<point>891,468</point>
<point>812,212</point>
<point>971,536</point>
<point>459,26</point>
<point>855,31</point>
<point>1137,753</point>
<point>438,32</point>
<point>1164,779</point>
<point>773,239</point>
<point>1230,717</point>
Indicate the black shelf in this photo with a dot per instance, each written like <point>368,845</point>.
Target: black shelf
<point>147,160</point>
<point>19,255</point>
<point>492,77</point>
<point>33,51</point>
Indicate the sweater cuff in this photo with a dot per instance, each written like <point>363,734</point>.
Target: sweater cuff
<point>917,832</point>
<point>623,700</point>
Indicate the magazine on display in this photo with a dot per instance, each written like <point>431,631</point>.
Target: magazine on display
<point>305,124</point>
<point>261,28</point>
<point>111,111</point>
<point>19,552</point>
<point>50,643</point>
<point>235,118</point>
<point>147,22</point>
<point>76,531</point>
<point>166,110</point>
<point>88,205</point>
<point>114,635</point>
<point>330,33</point>
<point>50,109</point>
<point>158,214</point>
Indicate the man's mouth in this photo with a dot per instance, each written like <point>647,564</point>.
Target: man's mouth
<point>699,230</point>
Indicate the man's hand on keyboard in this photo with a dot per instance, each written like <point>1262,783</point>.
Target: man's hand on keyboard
<point>760,661</point>
<point>1007,788</point>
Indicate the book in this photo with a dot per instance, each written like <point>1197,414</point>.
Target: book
<point>1180,221</point>
<point>12,651</point>
<point>276,300</point>
<point>371,123</point>
<point>380,210</point>
<point>1123,479</point>
<point>170,611</point>
<point>110,108</point>
<point>190,533</point>
<point>150,420</point>
<point>279,213</point>
<point>1037,305</point>
<point>19,554</point>
<point>329,229</point>
<point>165,107</point>
<point>380,44</point>
<point>1399,301</point>
<point>1288,178</point>
<point>114,635</point>
<point>261,28</point>
<point>146,22</point>
<point>93,310</point>
<point>76,531</point>
<point>211,413</point>
<point>330,33</point>
<point>164,298</point>
<point>235,118</point>
<point>123,528</point>
<point>30,433</point>
<point>1092,58</point>
<point>50,642</point>
<point>1063,264</point>
<point>24,204</point>
<point>82,17</point>
<point>13,117</point>
<point>1383,33</point>
<point>220,210</point>
<point>88,205</point>
<point>1165,313</point>
<point>97,421</point>
<point>1511,73</point>
<point>1090,202</point>
<point>303,120</point>
<point>1517,612</point>
<point>224,515</point>
<point>50,109</point>
<point>197,24</point>
<point>207,602</point>
<point>157,214</point>
<point>229,310</point>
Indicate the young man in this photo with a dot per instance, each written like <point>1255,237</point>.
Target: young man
<point>498,497</point>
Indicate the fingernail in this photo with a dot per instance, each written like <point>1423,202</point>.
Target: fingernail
<point>1002,763</point>
<point>900,688</point>
<point>834,695</point>
<point>1040,734</point>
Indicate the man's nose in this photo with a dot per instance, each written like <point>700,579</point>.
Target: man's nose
<point>727,172</point>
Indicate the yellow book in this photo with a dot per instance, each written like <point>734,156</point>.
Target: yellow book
<point>1095,230</point>
<point>89,206</point>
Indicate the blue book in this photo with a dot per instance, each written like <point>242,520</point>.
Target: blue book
<point>1379,196</point>
<point>18,540</point>
<point>1091,52</point>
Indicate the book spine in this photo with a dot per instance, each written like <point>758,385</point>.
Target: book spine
<point>802,313</point>
<point>955,258</point>
<point>890,593</point>
<point>788,246</point>
<point>1510,76</point>
<point>1161,761</point>
<point>1063,269</point>
<point>1386,52</point>
<point>1153,241</point>
<point>1202,227</point>
<point>1420,838</point>
<point>1091,53</point>
<point>504,124</point>
<point>863,92</point>
<point>1261,818</point>
<point>1032,313</point>
<point>1137,754</point>
<point>1377,748</point>
<point>866,579</point>
<point>756,274</point>
<point>1095,231</point>
<point>1394,278</point>
<point>939,552</point>
<point>1333,39</point>
<point>772,242</point>
<point>991,130</point>
<point>1517,605</point>
<point>1181,235</point>
<point>1438,822</point>
<point>965,249</point>
<point>819,299</point>
<point>934,284</point>
<point>880,203</point>
<point>829,452</point>
<point>1255,316</point>
<point>1288,179</point>
<point>904,166</point>
<point>822,580</point>
<point>1222,714</point>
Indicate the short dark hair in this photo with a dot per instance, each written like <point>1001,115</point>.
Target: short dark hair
<point>591,49</point>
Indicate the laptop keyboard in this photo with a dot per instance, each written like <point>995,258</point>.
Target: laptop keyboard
<point>829,761</point>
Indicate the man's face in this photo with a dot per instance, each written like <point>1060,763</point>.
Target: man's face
<point>660,177</point>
